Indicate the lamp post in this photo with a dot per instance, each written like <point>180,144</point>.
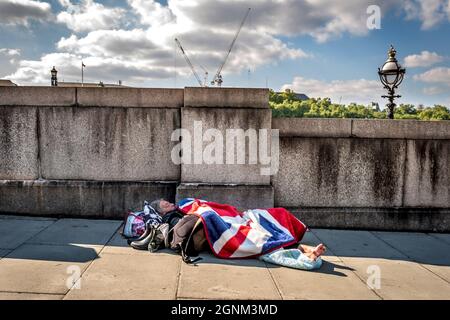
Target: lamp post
<point>54,73</point>
<point>391,76</point>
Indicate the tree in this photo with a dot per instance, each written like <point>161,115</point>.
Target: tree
<point>286,104</point>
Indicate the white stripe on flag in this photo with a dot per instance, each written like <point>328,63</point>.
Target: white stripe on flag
<point>253,243</point>
<point>254,216</point>
<point>225,237</point>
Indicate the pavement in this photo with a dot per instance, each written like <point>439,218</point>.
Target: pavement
<point>43,258</point>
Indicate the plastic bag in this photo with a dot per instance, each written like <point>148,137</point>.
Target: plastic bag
<point>292,258</point>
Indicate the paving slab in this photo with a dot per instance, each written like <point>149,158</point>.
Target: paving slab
<point>77,231</point>
<point>311,239</point>
<point>121,276</point>
<point>119,245</point>
<point>421,247</point>
<point>14,232</point>
<point>349,243</point>
<point>334,280</point>
<point>405,280</point>
<point>29,296</point>
<point>432,253</point>
<point>441,236</point>
<point>4,252</point>
<point>43,268</point>
<point>214,278</point>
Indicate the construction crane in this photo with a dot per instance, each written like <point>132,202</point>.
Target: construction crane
<point>217,80</point>
<point>205,84</point>
<point>190,64</point>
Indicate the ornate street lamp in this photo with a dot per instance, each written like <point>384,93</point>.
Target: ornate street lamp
<point>54,77</point>
<point>391,76</point>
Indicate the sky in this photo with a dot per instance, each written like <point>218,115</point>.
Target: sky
<point>321,48</point>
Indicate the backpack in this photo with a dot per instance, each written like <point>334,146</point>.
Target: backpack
<point>189,238</point>
<point>162,233</point>
<point>136,222</point>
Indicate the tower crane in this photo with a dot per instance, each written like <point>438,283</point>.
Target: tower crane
<point>205,84</point>
<point>190,64</point>
<point>217,80</point>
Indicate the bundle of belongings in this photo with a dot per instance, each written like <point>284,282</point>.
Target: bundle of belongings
<point>198,225</point>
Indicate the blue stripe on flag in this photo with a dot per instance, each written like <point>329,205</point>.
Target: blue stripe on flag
<point>215,224</point>
<point>278,238</point>
<point>184,201</point>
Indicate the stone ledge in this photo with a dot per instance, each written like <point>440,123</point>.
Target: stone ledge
<point>37,96</point>
<point>81,199</point>
<point>313,128</point>
<point>226,98</point>
<point>130,97</point>
<point>383,219</point>
<point>362,128</point>
<point>242,197</point>
<point>401,129</point>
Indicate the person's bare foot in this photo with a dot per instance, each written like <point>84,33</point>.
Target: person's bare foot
<point>313,252</point>
<point>319,250</point>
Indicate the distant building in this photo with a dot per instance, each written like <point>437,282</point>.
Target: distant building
<point>298,96</point>
<point>7,83</point>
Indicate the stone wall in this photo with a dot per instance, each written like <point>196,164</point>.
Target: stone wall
<point>96,152</point>
<point>390,174</point>
<point>91,152</point>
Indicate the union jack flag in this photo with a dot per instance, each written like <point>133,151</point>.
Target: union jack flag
<point>232,234</point>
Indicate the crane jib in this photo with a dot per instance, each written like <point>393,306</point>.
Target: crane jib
<point>218,77</point>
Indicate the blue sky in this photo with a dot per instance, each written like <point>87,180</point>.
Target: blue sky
<point>317,47</point>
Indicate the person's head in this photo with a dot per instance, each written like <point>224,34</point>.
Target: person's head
<point>162,206</point>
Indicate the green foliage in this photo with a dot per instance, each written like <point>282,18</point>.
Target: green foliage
<point>287,105</point>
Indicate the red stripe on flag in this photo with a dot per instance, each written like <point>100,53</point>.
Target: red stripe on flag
<point>289,221</point>
<point>233,244</point>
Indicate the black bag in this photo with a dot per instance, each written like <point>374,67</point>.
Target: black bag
<point>161,235</point>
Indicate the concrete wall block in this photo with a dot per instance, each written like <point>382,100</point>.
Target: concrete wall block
<point>317,128</point>
<point>118,197</point>
<point>130,97</point>
<point>37,96</point>
<point>427,180</point>
<point>223,119</point>
<point>18,143</point>
<point>125,144</point>
<point>401,129</point>
<point>58,198</point>
<point>330,172</point>
<point>388,219</point>
<point>226,98</point>
<point>242,197</point>
<point>79,198</point>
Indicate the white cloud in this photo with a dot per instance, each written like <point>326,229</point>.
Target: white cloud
<point>424,59</point>
<point>151,12</point>
<point>435,75</point>
<point>97,69</point>
<point>345,91</point>
<point>10,52</point>
<point>321,19</point>
<point>89,15</point>
<point>9,59</point>
<point>19,12</point>
<point>429,12</point>
<point>434,90</point>
<point>206,29</point>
